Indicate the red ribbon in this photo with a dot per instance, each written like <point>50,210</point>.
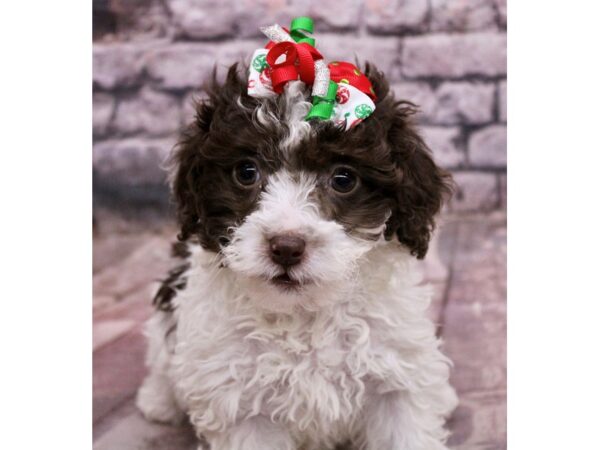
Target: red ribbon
<point>346,72</point>
<point>299,63</point>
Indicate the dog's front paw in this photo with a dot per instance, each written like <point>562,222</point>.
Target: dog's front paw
<point>157,403</point>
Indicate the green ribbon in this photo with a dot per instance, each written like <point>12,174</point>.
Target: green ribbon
<point>323,106</point>
<point>298,27</point>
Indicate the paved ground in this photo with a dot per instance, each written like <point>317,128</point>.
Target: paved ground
<point>467,266</point>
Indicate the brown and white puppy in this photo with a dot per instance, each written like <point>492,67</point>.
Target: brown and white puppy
<point>296,319</point>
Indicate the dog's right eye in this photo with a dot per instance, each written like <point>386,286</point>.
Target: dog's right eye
<point>246,173</point>
<point>344,180</point>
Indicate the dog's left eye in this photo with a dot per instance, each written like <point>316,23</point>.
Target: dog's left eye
<point>343,180</point>
<point>246,173</point>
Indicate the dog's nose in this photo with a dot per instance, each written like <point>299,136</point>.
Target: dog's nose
<point>287,250</point>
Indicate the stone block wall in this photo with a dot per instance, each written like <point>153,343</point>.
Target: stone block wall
<point>151,56</point>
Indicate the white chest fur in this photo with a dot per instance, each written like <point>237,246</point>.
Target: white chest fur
<point>313,371</point>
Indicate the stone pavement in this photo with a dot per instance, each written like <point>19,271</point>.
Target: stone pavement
<point>467,266</point>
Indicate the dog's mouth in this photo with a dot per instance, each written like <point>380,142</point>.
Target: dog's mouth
<point>285,281</point>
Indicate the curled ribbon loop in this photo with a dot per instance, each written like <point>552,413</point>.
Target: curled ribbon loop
<point>299,63</point>
<point>323,106</point>
<point>300,25</point>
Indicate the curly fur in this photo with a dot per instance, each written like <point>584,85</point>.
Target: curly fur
<point>348,356</point>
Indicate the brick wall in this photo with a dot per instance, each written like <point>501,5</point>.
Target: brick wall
<point>150,57</point>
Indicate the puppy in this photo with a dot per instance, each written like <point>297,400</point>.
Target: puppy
<point>295,320</point>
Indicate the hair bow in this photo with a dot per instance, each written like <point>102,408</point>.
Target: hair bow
<point>340,92</point>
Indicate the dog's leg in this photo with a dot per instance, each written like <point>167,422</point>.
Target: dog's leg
<point>397,421</point>
<point>156,398</point>
<point>256,433</point>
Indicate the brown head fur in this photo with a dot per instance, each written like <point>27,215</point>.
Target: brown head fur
<point>399,181</point>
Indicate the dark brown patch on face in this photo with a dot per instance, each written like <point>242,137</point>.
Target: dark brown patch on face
<point>223,135</point>
<point>398,174</point>
<point>362,210</point>
<point>398,177</point>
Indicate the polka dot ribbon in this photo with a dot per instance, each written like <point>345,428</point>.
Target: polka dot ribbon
<point>340,92</point>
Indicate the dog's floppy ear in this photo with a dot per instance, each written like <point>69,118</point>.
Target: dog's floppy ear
<point>188,161</point>
<point>195,184</point>
<point>421,186</point>
<point>187,170</point>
